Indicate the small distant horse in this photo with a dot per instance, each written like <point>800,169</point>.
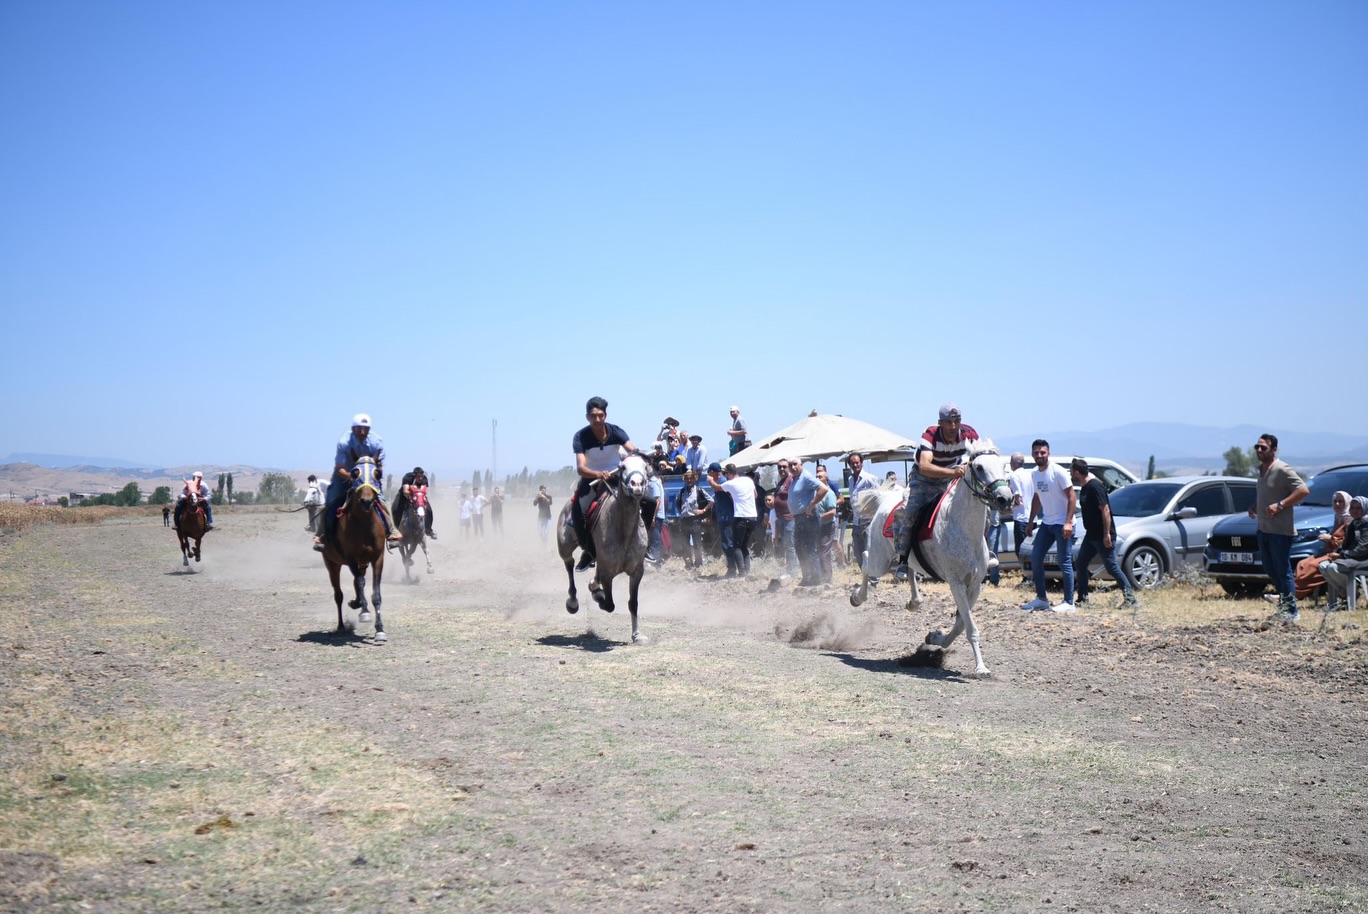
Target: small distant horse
<point>620,539</point>
<point>192,525</point>
<point>414,528</point>
<point>359,542</point>
<point>956,551</point>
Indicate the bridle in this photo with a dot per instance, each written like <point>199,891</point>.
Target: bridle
<point>984,492</point>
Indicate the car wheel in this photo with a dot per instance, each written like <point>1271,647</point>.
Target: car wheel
<point>1145,567</point>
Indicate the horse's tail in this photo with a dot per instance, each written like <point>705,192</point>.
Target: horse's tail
<point>868,502</point>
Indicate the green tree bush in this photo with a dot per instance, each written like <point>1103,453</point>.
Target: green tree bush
<point>275,489</point>
<point>161,495</point>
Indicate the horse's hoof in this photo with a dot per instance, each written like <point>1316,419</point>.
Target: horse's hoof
<point>572,606</point>
<point>381,637</point>
<point>354,604</point>
<point>639,638</point>
<point>429,569</point>
<point>856,599</point>
<point>934,638</point>
<point>983,673</point>
<point>364,618</point>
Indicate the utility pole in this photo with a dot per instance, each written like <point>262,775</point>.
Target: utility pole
<point>494,449</point>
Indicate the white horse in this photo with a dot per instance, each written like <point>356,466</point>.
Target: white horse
<point>619,540</point>
<point>957,551</point>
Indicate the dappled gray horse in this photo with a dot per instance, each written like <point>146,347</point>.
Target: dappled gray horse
<point>956,552</point>
<point>619,539</point>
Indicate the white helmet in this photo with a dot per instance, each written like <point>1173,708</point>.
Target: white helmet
<point>361,420</point>
<point>197,475</point>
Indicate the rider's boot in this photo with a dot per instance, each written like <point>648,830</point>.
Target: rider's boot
<point>586,543</point>
<point>392,532</point>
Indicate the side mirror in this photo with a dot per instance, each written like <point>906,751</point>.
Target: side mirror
<point>1187,513</point>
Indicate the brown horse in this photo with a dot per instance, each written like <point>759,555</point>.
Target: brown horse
<point>359,541</point>
<point>191,525</point>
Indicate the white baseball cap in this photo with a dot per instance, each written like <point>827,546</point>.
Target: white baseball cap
<point>361,420</point>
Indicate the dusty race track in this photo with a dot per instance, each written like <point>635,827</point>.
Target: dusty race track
<point>176,742</point>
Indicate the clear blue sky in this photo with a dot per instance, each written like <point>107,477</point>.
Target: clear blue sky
<point>228,227</point>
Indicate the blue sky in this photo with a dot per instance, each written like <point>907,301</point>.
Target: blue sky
<point>228,227</point>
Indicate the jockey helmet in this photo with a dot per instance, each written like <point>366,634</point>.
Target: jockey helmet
<point>361,420</point>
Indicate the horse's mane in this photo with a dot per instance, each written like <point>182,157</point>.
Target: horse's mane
<point>869,501</point>
<point>983,446</point>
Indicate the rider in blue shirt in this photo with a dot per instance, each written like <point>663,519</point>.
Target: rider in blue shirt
<point>350,449</point>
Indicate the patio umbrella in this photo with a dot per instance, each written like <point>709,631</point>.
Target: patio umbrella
<point>825,436</point>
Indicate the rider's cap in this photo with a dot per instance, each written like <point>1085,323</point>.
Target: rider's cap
<point>949,411</point>
<point>361,420</point>
<point>714,467</point>
<point>734,409</point>
<point>197,475</point>
<point>695,437</point>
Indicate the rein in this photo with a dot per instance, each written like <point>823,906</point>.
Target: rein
<point>980,491</point>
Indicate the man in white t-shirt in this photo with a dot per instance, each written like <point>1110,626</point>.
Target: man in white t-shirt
<point>1053,500</point>
<point>742,492</point>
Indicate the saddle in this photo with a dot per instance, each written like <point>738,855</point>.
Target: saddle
<point>923,526</point>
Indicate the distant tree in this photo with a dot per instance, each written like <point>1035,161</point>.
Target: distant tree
<point>217,496</point>
<point>275,489</point>
<point>475,478</point>
<point>230,488</point>
<point>128,496</point>
<point>105,498</point>
<point>244,498</point>
<point>1239,462</point>
<point>489,480</point>
<point>161,495</point>
<point>64,501</point>
<point>1149,473</point>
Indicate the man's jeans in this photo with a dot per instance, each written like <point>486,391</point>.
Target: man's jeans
<point>805,541</point>
<point>994,535</point>
<point>741,534</point>
<point>724,537</point>
<point>653,550</point>
<point>1092,546</point>
<point>1052,535</point>
<point>859,542</point>
<point>786,534</point>
<point>1019,537</point>
<point>1276,551</point>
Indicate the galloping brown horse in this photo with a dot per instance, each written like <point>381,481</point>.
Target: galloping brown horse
<point>191,525</point>
<point>359,541</point>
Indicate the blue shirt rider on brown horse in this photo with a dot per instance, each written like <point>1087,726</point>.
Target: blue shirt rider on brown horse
<point>350,449</point>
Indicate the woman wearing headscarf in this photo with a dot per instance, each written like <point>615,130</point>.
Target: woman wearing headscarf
<point>1307,577</point>
<point>1352,556</point>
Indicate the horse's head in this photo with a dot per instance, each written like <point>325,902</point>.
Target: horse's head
<point>988,475</point>
<point>365,480</point>
<point>418,496</point>
<point>633,476</point>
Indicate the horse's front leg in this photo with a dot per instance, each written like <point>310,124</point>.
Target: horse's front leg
<point>185,552</point>
<point>359,586</point>
<point>914,602</point>
<point>426,558</point>
<point>376,571</point>
<point>572,601</point>
<point>601,589</point>
<point>335,576</point>
<point>197,550</point>
<point>633,584</point>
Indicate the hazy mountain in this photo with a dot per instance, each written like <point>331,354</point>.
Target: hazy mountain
<point>61,461</point>
<point>1183,448</point>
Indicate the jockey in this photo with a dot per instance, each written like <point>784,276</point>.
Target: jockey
<point>940,461</point>
<point>350,449</point>
<point>196,487</point>
<point>401,500</point>
<point>599,448</point>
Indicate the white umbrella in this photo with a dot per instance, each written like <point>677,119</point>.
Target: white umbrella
<point>824,436</point>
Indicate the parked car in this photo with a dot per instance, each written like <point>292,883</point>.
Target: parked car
<point>1232,550</point>
<point>1111,474</point>
<point>1162,523</point>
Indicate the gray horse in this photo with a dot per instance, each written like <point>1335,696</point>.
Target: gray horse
<point>957,551</point>
<point>619,540</point>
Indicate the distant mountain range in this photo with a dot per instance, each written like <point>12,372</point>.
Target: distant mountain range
<point>1178,448</point>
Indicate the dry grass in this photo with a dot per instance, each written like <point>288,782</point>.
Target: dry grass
<point>21,517</point>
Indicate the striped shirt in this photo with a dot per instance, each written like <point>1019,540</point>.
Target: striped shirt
<point>943,453</point>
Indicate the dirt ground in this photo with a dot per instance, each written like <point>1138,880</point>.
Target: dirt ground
<point>175,741</point>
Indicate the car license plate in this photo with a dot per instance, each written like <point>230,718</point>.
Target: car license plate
<point>1237,558</point>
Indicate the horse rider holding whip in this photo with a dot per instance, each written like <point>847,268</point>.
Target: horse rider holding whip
<point>939,462</point>
<point>350,449</point>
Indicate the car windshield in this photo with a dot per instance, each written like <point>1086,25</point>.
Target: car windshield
<point>1140,499</point>
<point>1323,487</point>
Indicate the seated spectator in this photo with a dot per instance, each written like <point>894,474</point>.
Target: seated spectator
<point>1307,577</point>
<point>1352,556</point>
